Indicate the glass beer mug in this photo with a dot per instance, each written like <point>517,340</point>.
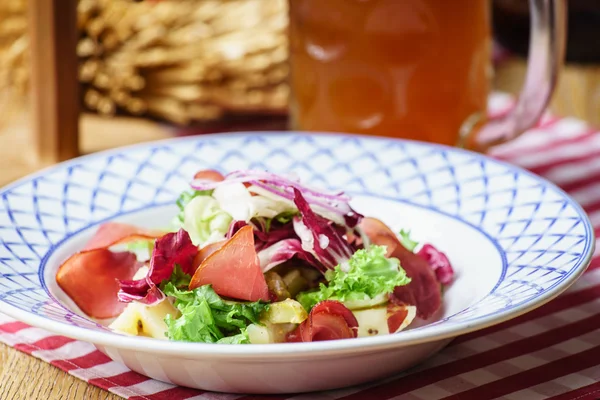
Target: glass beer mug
<point>415,69</point>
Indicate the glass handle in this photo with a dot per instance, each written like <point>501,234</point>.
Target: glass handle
<point>546,56</point>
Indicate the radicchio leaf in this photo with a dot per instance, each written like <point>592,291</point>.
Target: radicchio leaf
<point>146,292</point>
<point>332,205</point>
<point>172,248</point>
<point>319,236</point>
<point>283,251</point>
<point>438,262</point>
<point>276,233</point>
<point>234,227</point>
<point>262,238</point>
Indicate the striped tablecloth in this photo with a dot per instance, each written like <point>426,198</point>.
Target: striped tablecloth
<point>552,352</point>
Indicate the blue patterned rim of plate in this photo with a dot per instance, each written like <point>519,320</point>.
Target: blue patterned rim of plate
<point>545,237</point>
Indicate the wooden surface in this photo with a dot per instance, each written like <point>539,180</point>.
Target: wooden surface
<point>22,376</point>
<point>54,85</point>
<point>97,134</point>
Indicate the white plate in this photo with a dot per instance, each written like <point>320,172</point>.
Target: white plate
<point>515,240</point>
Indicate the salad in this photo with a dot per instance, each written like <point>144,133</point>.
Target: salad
<point>255,257</point>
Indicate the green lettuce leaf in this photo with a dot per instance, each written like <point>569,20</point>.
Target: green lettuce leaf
<point>370,274</point>
<point>204,219</point>
<point>240,338</point>
<point>206,317</point>
<point>286,216</point>
<point>178,278</point>
<point>406,240</point>
<point>185,198</point>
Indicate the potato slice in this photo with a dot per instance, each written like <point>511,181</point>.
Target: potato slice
<point>374,321</point>
<point>269,333</point>
<point>259,334</point>
<point>285,312</point>
<point>142,320</point>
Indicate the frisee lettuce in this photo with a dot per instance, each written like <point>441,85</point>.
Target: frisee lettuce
<point>370,274</point>
<point>206,317</point>
<point>407,241</point>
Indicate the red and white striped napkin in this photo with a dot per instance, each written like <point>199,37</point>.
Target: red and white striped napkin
<point>550,353</point>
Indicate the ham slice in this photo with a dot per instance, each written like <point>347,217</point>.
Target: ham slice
<point>209,175</point>
<point>424,289</point>
<point>90,277</point>
<point>113,233</point>
<point>328,320</point>
<point>204,252</point>
<point>233,269</point>
<point>399,316</point>
<point>90,280</point>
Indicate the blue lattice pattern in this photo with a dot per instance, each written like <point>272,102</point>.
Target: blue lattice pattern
<point>544,235</point>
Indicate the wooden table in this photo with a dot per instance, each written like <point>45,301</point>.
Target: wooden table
<point>24,377</point>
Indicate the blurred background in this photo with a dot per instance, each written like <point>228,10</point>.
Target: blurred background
<point>578,92</point>
<point>150,69</point>
<point>181,62</point>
